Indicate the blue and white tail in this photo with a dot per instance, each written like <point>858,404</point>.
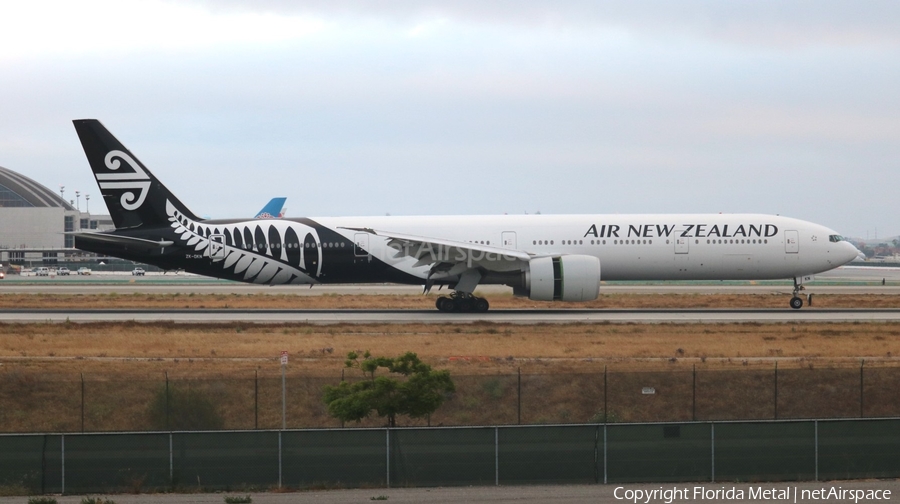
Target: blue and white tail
<point>274,209</point>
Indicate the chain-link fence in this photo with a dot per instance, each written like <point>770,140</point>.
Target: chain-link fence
<point>40,402</point>
<point>787,450</point>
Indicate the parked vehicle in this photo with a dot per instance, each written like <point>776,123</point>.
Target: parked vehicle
<point>84,271</point>
<point>137,272</point>
<point>63,271</point>
<point>42,271</point>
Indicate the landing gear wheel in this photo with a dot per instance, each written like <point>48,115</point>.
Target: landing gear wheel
<point>445,304</point>
<point>462,302</point>
<point>465,304</point>
<point>797,301</point>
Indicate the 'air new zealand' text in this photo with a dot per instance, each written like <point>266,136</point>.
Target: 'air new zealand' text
<point>684,231</point>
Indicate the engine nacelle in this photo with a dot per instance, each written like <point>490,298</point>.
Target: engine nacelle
<point>564,278</point>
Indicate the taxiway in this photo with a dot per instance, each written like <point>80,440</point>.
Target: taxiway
<point>207,316</point>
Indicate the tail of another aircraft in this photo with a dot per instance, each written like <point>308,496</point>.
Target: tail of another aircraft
<point>134,197</point>
<point>274,209</point>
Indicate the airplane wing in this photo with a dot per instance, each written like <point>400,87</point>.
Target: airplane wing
<point>449,258</point>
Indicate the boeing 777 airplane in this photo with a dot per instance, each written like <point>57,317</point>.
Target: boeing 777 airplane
<point>543,257</point>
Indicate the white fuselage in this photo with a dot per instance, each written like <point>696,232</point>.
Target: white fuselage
<point>631,247</point>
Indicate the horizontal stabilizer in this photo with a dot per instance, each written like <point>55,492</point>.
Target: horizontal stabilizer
<point>126,241</point>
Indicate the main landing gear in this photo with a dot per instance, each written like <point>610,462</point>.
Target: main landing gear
<point>796,300</point>
<point>462,302</point>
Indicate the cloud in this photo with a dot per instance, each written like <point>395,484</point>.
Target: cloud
<point>29,29</point>
<point>351,107</point>
<point>768,23</point>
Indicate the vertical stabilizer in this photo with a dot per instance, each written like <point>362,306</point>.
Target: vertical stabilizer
<point>134,197</point>
<point>274,209</point>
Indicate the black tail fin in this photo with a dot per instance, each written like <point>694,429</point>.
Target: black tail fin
<point>134,197</point>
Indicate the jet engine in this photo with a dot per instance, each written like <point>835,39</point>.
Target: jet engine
<point>563,278</point>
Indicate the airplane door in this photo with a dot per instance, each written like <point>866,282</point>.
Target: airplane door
<point>361,244</point>
<point>681,245</point>
<point>217,247</point>
<point>791,242</point>
<point>508,239</point>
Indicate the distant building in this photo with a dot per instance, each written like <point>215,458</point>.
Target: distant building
<point>34,220</point>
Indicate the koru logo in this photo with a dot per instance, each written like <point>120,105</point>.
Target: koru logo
<point>137,179</point>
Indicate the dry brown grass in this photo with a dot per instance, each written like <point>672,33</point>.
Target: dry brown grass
<point>363,301</point>
<point>474,348</point>
<point>563,366</point>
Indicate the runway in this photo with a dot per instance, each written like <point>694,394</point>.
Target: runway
<point>844,280</point>
<point>675,316</point>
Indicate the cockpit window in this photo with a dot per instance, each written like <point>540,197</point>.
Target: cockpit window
<point>836,238</point>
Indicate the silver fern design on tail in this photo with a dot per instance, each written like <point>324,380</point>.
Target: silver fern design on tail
<point>258,260</point>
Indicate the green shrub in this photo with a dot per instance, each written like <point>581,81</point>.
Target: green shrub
<point>493,387</point>
<point>184,408</point>
<point>236,499</point>
<point>41,500</point>
<point>96,500</point>
<point>610,417</point>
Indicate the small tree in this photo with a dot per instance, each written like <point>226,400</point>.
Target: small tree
<point>418,396</point>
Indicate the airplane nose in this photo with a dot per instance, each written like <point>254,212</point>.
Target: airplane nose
<point>849,252</point>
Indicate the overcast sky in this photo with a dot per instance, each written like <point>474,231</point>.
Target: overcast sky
<point>469,107</point>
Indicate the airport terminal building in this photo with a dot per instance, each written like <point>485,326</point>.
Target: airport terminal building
<point>34,220</point>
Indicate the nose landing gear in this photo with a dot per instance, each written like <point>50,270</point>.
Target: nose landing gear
<point>796,300</point>
<point>462,302</point>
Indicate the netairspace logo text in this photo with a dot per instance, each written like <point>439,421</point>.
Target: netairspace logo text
<point>753,493</point>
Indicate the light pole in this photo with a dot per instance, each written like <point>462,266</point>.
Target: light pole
<point>62,192</point>
<point>77,200</point>
<point>87,203</point>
